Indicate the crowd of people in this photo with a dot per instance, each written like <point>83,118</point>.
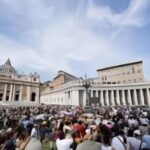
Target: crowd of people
<point>74,128</point>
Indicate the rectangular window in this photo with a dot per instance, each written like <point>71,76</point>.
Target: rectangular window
<point>1,96</point>
<point>133,70</point>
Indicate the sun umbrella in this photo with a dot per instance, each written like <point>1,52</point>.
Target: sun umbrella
<point>40,116</point>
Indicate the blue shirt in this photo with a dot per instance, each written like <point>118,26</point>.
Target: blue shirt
<point>146,139</point>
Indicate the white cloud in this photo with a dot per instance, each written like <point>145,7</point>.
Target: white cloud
<point>48,38</point>
<point>132,16</point>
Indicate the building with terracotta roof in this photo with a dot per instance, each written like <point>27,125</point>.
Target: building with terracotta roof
<point>124,73</point>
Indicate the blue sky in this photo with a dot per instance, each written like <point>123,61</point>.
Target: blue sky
<point>77,36</point>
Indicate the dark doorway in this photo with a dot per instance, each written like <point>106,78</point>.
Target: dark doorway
<point>94,101</point>
<point>33,96</point>
<point>7,98</point>
<point>1,96</point>
<point>16,97</point>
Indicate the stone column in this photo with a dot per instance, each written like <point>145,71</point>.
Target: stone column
<point>72,96</point>
<point>118,99</point>
<point>69,98</point>
<point>20,94</point>
<point>112,97</point>
<point>129,97</point>
<point>148,96</point>
<point>5,93</point>
<point>91,93</point>
<point>75,98</point>
<point>29,94</point>
<point>66,97</point>
<point>107,100</point>
<point>96,93</point>
<point>123,98</point>
<point>11,91</point>
<point>135,97</point>
<point>14,92</point>
<point>102,98</point>
<point>141,97</point>
<point>84,98</point>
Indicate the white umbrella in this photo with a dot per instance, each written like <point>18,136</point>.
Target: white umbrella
<point>144,121</point>
<point>26,122</point>
<point>39,117</point>
<point>68,113</point>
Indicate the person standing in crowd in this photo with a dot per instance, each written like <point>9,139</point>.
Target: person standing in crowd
<point>22,140</point>
<point>119,142</point>
<point>89,145</point>
<point>146,139</point>
<point>135,142</point>
<point>98,130</point>
<point>76,141</point>
<point>64,144</point>
<point>106,142</point>
<point>43,130</point>
<point>34,132</point>
<point>46,143</point>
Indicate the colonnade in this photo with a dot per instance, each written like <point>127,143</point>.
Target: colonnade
<point>9,93</point>
<point>137,96</point>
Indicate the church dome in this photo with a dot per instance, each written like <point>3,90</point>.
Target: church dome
<point>7,68</point>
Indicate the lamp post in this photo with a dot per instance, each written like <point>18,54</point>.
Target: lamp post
<point>86,84</point>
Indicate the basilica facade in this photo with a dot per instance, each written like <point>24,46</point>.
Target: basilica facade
<point>18,89</point>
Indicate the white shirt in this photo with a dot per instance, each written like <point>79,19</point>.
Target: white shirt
<point>130,122</point>
<point>64,144</point>
<point>66,128</point>
<point>135,143</point>
<point>34,133</point>
<point>117,144</point>
<point>106,147</point>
